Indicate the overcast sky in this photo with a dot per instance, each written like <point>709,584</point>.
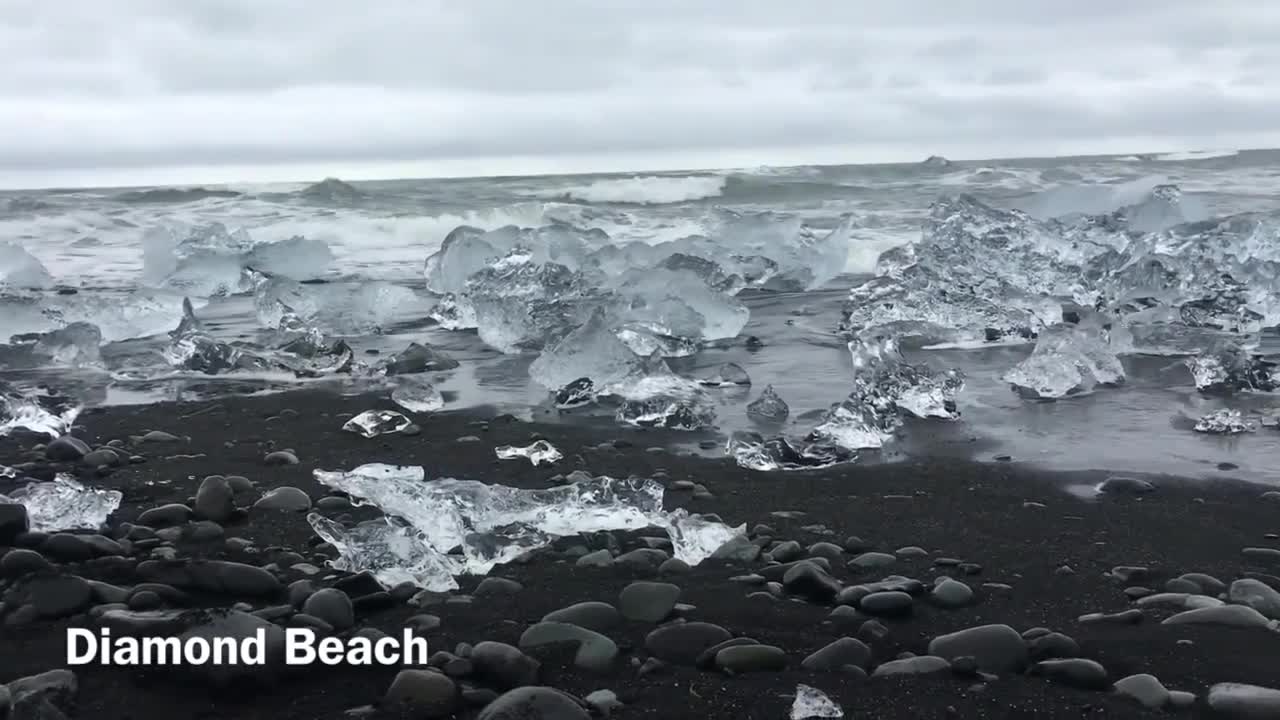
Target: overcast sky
<point>96,91</point>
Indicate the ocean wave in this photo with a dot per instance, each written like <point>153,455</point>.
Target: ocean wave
<point>644,190</point>
<point>1192,155</point>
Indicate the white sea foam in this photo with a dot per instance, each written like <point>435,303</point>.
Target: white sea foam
<point>1192,155</point>
<point>644,190</point>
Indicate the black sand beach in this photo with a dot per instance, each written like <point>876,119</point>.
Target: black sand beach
<point>1034,555</point>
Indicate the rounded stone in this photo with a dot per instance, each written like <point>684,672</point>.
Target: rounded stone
<point>66,449</point>
<point>1074,672</point>
<point>423,693</point>
<point>998,649</point>
<point>751,658</point>
<point>534,703</point>
<point>595,651</point>
<point>949,593</point>
<point>284,499</point>
<point>648,601</point>
<point>592,615</point>
<point>839,654</point>
<point>332,606</point>
<point>280,458</point>
<point>504,666</point>
<point>872,561</point>
<point>891,603</point>
<point>682,643</point>
<point>498,586</point>
<point>165,515</point>
<point>215,500</point>
<point>19,562</point>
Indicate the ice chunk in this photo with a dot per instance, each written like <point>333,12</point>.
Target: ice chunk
<point>76,345</point>
<point>372,423</point>
<point>45,414</point>
<point>656,397</point>
<point>465,251</point>
<point>728,375</point>
<point>591,351</point>
<point>454,312</point>
<point>1068,359</point>
<point>494,524</point>
<point>192,348</point>
<point>579,393</point>
<point>118,316</point>
<point>390,550</point>
<point>520,304</point>
<point>417,395</point>
<point>418,358</point>
<point>886,388</point>
<point>1224,421</point>
<point>769,406</point>
<point>694,538</point>
<point>665,296</point>
<point>811,702</point>
<point>210,260</point>
<point>306,352</point>
<point>295,257</point>
<point>753,451</point>
<point>1229,367</point>
<point>539,453</point>
<point>19,269</point>
<point>65,504</point>
<point>351,308</point>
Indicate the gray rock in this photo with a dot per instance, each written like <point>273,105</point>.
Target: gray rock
<point>911,551</point>
<point>787,551</point>
<point>1249,592</point>
<point>1074,672</point>
<point>682,643</point>
<point>280,458</point>
<point>101,457</point>
<point>1124,617</point>
<point>65,547</point>
<point>808,580</point>
<point>595,651</point>
<point>1238,701</point>
<point>921,665</point>
<point>504,666</point>
<point>534,703</point>
<point>239,626</point>
<point>332,606</point>
<point>592,615</point>
<point>739,549</point>
<point>13,522</point>
<point>422,693</point>
<point>950,593</point>
<point>673,566</point>
<point>1263,556</point>
<point>843,652</point>
<point>55,687</point>
<point>284,499</point>
<point>230,578</point>
<point>1124,485</point>
<point>828,550</point>
<point>54,596</point>
<point>604,701</point>
<point>751,658</point>
<point>157,436</point>
<point>1227,615</point>
<point>166,515</point>
<point>1144,689</point>
<point>648,601</point>
<point>872,561</point>
<point>599,558</point>
<point>642,560</point>
<point>498,586</point>
<point>707,658</point>
<point>1052,646</point>
<point>20,561</point>
<point>215,500</point>
<point>889,604</point>
<point>66,449</point>
<point>998,649</point>
<point>1209,584</point>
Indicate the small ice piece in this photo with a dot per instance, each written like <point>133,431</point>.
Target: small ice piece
<point>18,268</point>
<point>390,550</point>
<point>579,393</point>
<point>769,406</point>
<point>811,702</point>
<point>44,414</point>
<point>539,453</point>
<point>8,472</point>
<point>1224,421</point>
<point>1067,360</point>
<point>665,401</point>
<point>728,375</point>
<point>753,451</point>
<point>65,504</point>
<point>76,345</point>
<point>372,423</point>
<point>417,395</point>
<point>418,358</point>
<point>590,351</point>
<point>1229,367</point>
<point>694,538</point>
<point>192,348</point>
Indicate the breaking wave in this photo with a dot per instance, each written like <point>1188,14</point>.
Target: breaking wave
<point>645,190</point>
<point>1192,155</point>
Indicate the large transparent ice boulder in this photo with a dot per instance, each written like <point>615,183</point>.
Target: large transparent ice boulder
<point>20,269</point>
<point>342,308</point>
<point>210,260</point>
<point>654,396</point>
<point>754,451</point>
<point>76,345</point>
<point>590,351</point>
<point>1068,359</point>
<point>118,316</point>
<point>390,550</point>
<point>468,250</point>
<point>192,348</point>
<point>886,389</point>
<point>65,504</point>
<point>485,525</point>
<point>722,315</point>
<point>1230,367</point>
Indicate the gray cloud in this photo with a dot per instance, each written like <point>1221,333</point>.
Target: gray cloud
<point>153,83</point>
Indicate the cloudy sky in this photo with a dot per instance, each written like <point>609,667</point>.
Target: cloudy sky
<point>137,91</point>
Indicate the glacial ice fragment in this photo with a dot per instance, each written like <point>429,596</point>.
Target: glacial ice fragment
<point>65,504</point>
<point>45,414</point>
<point>1229,367</point>
<point>19,269</point>
<point>417,395</point>
<point>493,524</point>
<point>192,348</point>
<point>372,423</point>
<point>591,351</point>
<point>728,375</point>
<point>1068,359</point>
<point>579,393</point>
<point>76,345</point>
<point>418,358</point>
<point>694,538</point>
<point>812,703</point>
<point>390,550</point>
<point>1224,421</point>
<point>538,453</point>
<point>753,451</point>
<point>210,260</point>
<point>657,397</point>
<point>769,406</point>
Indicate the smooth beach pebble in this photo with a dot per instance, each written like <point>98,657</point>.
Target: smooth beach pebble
<point>284,499</point>
<point>648,601</point>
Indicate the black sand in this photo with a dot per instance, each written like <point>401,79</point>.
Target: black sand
<point>978,513</point>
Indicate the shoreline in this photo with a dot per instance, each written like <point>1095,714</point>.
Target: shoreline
<point>1004,530</point>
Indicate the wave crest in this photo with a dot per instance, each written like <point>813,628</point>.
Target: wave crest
<point>644,190</point>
